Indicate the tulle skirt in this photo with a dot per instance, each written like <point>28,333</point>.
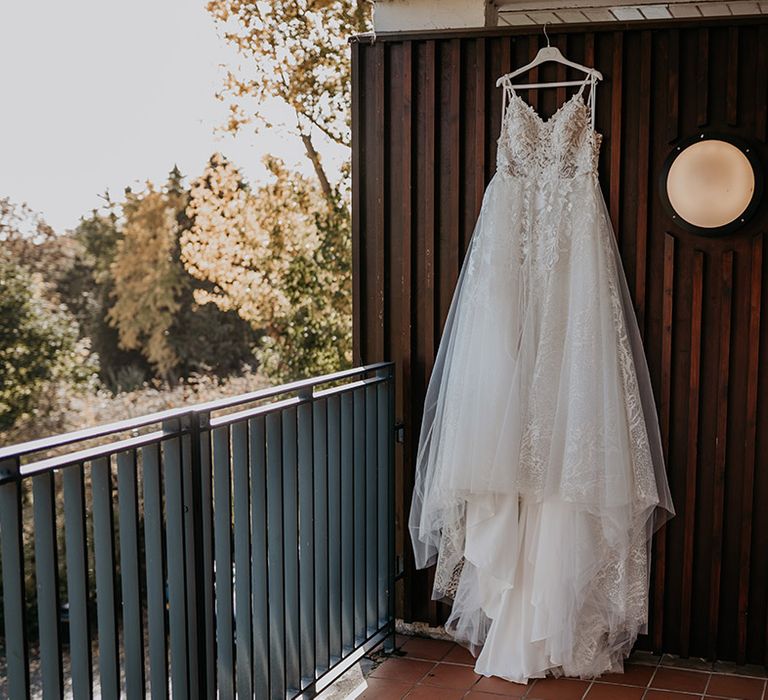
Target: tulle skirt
<point>540,475</point>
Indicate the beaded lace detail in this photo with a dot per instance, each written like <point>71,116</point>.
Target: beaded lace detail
<point>561,147</point>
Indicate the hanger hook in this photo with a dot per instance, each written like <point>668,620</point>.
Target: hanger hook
<point>545,34</point>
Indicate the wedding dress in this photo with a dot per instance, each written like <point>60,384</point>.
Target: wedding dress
<point>539,473</point>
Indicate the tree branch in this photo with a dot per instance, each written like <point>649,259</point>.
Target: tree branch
<point>314,156</point>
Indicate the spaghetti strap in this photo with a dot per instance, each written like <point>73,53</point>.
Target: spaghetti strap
<point>591,99</point>
<point>506,85</point>
<point>584,84</point>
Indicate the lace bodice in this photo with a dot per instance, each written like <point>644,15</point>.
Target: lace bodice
<point>563,146</point>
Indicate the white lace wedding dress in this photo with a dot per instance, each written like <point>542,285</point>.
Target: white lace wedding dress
<point>540,476</point>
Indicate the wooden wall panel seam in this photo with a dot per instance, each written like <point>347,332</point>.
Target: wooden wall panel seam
<point>616,138</point>
<point>747,497</point>
<point>702,78</point>
<point>666,389</point>
<point>732,93</point>
<point>689,507</point>
<point>673,84</point>
<point>725,311</point>
<point>358,272</point>
<point>643,176</point>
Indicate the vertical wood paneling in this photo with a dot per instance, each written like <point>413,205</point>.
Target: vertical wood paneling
<point>616,94</point>
<point>726,285</point>
<point>689,505</point>
<point>643,137</point>
<point>448,247</point>
<point>673,84</point>
<point>478,181</point>
<point>377,209</point>
<point>732,94</point>
<point>358,270</point>
<point>761,92</point>
<point>533,74</point>
<point>404,247</point>
<point>750,427</point>
<point>425,119</point>
<point>702,78</point>
<point>562,43</point>
<point>664,419</point>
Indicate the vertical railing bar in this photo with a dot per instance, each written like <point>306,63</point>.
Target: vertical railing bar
<point>242,559</point>
<point>177,600</point>
<point>14,599</point>
<point>347,525</point>
<point>77,581</point>
<point>371,504</point>
<point>47,575</point>
<point>153,556</point>
<point>192,611</point>
<point>291,552</point>
<point>275,571</point>
<point>385,437</point>
<point>223,556</point>
<point>203,518</point>
<point>306,541</point>
<point>259,578</point>
<point>106,585</point>
<point>133,628</point>
<point>334,530</point>
<point>389,645</point>
<point>320,535</point>
<point>359,495</point>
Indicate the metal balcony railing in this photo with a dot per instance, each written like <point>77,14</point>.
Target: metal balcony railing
<point>240,547</point>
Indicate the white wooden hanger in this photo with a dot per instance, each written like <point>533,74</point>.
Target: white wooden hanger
<point>550,53</point>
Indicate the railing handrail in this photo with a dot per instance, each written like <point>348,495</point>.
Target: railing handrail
<point>18,450</point>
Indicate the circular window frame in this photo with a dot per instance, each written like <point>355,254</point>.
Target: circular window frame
<point>749,152</point>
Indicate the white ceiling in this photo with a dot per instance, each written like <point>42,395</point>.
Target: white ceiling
<point>538,12</point>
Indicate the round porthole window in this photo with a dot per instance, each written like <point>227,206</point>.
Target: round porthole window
<point>711,184</point>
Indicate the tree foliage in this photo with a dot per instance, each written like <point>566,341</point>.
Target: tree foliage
<point>88,288</point>
<point>295,51</point>
<point>146,279</point>
<point>39,344</point>
<point>278,256</point>
<point>287,265</point>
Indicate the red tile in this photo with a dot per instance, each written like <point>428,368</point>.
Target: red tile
<point>634,674</point>
<point>668,695</point>
<point>611,691</point>
<point>499,686</point>
<point>460,655</point>
<point>557,689</point>
<point>736,687</point>
<point>479,695</point>
<point>431,649</point>
<point>406,670</point>
<point>384,689</point>
<point>432,692</point>
<point>451,676</point>
<point>675,679</point>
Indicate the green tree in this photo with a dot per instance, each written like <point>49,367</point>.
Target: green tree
<point>87,287</point>
<point>39,345</point>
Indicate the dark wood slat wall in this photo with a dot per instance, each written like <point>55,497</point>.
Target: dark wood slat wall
<point>426,116</point>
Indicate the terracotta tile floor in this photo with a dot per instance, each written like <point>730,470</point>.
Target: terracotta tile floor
<point>431,669</point>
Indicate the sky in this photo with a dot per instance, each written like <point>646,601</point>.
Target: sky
<point>100,94</point>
